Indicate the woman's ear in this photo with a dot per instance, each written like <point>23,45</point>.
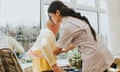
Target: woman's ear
<point>57,12</point>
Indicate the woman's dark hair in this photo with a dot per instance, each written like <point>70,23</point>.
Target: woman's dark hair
<point>65,11</point>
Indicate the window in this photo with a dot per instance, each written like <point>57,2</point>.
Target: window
<point>104,27</point>
<point>92,17</point>
<point>103,4</point>
<point>103,17</point>
<point>24,17</point>
<point>45,15</point>
<point>86,2</point>
<point>68,1</point>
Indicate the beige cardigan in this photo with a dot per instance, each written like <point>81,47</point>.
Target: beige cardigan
<point>46,43</point>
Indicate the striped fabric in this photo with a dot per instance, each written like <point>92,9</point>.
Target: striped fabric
<point>8,61</point>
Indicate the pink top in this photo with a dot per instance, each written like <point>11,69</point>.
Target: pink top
<point>95,55</point>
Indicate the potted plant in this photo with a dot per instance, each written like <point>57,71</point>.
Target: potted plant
<point>75,59</point>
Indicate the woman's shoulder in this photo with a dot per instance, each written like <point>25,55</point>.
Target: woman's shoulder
<point>71,19</point>
<point>74,22</point>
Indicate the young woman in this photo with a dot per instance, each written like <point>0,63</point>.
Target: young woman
<point>76,30</point>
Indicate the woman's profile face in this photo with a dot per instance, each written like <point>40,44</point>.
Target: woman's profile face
<point>55,17</point>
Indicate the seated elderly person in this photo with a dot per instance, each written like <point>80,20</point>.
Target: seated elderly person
<point>44,59</point>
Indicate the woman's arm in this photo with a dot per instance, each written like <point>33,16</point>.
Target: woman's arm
<point>71,47</point>
<point>62,50</point>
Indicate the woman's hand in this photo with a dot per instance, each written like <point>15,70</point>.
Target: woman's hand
<point>71,47</point>
<point>57,51</point>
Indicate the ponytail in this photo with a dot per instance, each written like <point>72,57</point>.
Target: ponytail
<point>65,11</point>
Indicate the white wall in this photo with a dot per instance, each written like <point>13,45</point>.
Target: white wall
<point>114,25</point>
